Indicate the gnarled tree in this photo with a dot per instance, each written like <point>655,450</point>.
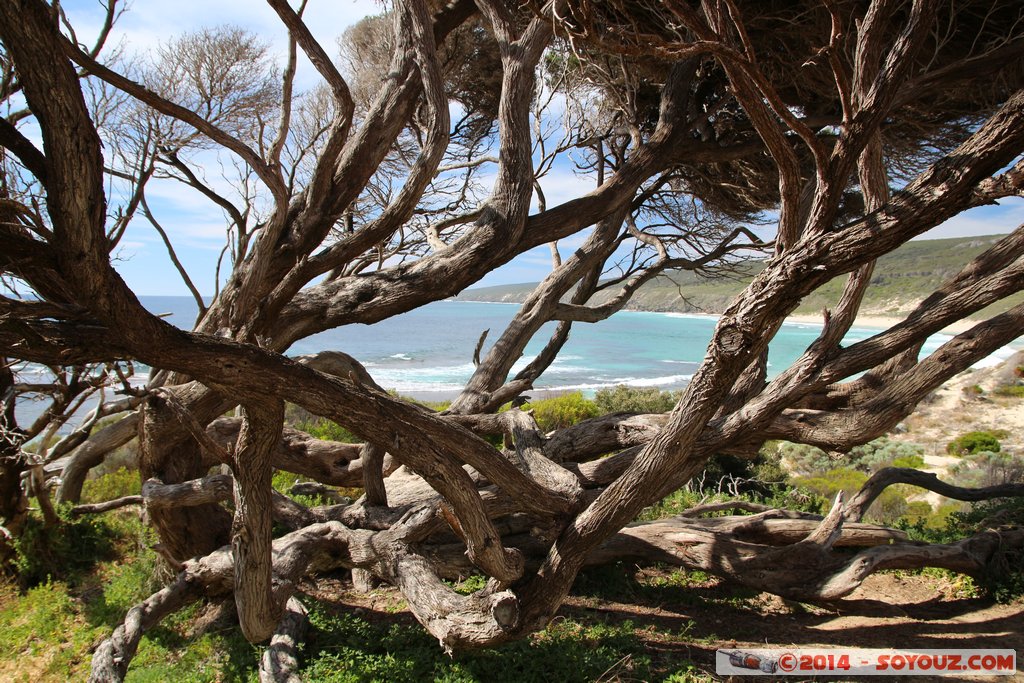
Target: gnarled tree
<point>692,119</point>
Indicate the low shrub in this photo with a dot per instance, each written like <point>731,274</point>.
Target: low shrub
<point>561,411</point>
<point>346,648</point>
<point>883,452</point>
<point>61,553</point>
<point>887,508</point>
<point>974,442</point>
<point>988,468</point>
<point>801,459</point>
<point>625,399</point>
<point>870,457</point>
<point>326,430</point>
<point>117,484</point>
<point>828,484</point>
<point>1004,580</point>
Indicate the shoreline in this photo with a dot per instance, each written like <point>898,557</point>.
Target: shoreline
<point>882,322</point>
<point>868,320</point>
<point>864,321</point>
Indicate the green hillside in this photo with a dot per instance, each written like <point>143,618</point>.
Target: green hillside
<point>901,280</point>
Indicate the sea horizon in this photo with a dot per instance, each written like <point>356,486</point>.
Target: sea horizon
<point>427,354</point>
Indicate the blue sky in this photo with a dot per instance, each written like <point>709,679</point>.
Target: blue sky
<point>197,227</point>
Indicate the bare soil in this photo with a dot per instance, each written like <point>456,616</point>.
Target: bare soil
<point>958,407</point>
<point>690,622</point>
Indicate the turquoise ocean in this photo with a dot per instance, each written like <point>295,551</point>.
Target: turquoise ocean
<point>427,353</point>
<point>430,350</point>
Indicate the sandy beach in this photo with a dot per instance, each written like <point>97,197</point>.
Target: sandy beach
<point>881,322</point>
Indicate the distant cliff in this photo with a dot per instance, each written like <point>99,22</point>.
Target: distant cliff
<point>901,280</point>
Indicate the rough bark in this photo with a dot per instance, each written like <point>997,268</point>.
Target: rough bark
<point>888,476</point>
<point>801,570</point>
<point>170,454</point>
<point>13,505</point>
<point>258,612</point>
<point>107,505</point>
<point>280,661</point>
<point>328,462</point>
<point>789,554</point>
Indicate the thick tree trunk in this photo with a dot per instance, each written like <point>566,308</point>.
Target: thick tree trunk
<point>258,610</point>
<point>168,452</point>
<point>13,504</point>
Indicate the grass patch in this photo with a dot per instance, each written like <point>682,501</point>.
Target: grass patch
<point>43,635</point>
<point>167,653</point>
<point>348,649</point>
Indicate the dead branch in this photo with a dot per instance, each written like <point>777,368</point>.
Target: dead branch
<point>888,476</point>
<point>106,506</point>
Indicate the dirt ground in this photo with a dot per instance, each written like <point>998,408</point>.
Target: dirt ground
<point>889,610</point>
<point>957,408</point>
<point>675,623</point>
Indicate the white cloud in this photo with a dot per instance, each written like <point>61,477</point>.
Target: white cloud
<point>148,23</point>
<point>561,184</point>
<point>984,220</point>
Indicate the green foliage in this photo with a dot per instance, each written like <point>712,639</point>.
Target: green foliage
<point>167,653</point>
<point>625,399</point>
<point>988,468</point>
<point>953,584</point>
<point>561,411</point>
<point>911,462</point>
<point>870,457</point>
<point>883,452</point>
<point>828,484</point>
<point>932,526</point>
<point>887,508</point>
<point>759,477</point>
<point>1004,581</point>
<point>63,552</point>
<point>282,482</point>
<point>349,649</point>
<point>917,512</point>
<point>327,430</point>
<point>688,674</point>
<point>52,628</point>
<point>42,630</point>
<point>768,468</point>
<point>117,484</point>
<point>790,497</point>
<point>471,584</point>
<point>974,442</point>
<point>127,584</point>
<point>671,505</point>
<point>1011,390</point>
